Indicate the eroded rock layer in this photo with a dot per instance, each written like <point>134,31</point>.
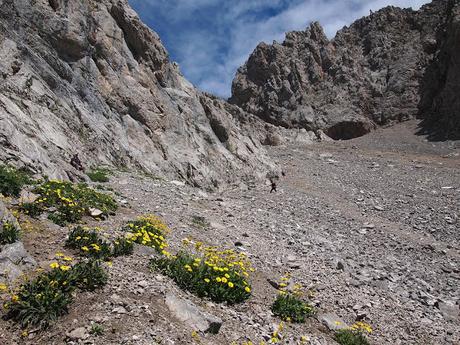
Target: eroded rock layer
<point>89,77</point>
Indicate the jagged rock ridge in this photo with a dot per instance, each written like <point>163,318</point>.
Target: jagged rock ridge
<point>371,74</point>
<point>89,77</point>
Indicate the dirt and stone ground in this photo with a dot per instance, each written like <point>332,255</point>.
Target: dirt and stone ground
<point>371,226</point>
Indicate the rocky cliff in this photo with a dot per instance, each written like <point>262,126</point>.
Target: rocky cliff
<point>88,77</point>
<point>440,104</point>
<point>372,73</point>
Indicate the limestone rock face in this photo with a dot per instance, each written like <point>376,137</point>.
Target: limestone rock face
<point>369,75</point>
<point>440,104</point>
<point>89,77</point>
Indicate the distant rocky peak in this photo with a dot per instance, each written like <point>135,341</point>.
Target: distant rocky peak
<point>372,73</point>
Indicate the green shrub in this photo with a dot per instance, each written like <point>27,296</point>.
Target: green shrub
<point>40,302</point>
<point>122,246</point>
<point>148,230</point>
<point>9,233</point>
<point>88,243</point>
<point>350,337</point>
<point>200,222</point>
<point>96,329</point>
<point>207,272</point>
<point>99,175</point>
<point>89,276</point>
<point>12,180</point>
<point>32,209</point>
<point>68,201</point>
<point>291,308</point>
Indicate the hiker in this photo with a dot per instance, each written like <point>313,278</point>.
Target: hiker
<point>76,162</point>
<point>273,186</point>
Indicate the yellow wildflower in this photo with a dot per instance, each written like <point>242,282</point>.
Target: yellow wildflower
<point>54,265</point>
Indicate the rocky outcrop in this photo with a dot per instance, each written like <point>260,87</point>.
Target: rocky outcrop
<point>440,105</point>
<point>369,75</point>
<point>88,77</point>
<point>14,259</point>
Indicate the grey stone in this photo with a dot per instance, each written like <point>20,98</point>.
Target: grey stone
<point>332,321</point>
<point>79,333</point>
<point>190,314</point>
<point>449,310</point>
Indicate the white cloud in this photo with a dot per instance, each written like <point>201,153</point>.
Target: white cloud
<point>210,57</point>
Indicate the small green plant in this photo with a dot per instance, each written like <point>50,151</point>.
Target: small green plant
<point>96,329</point>
<point>89,276</point>
<point>9,233</point>
<point>68,202</point>
<point>12,180</point>
<point>40,302</point>
<point>99,175</point>
<point>122,246</point>
<point>89,243</point>
<point>32,209</point>
<point>288,304</point>
<point>354,335</point>
<point>207,272</point>
<point>200,222</point>
<point>290,308</point>
<point>148,230</point>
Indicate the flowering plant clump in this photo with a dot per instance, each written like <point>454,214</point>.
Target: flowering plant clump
<point>354,335</point>
<point>288,304</point>
<point>9,233</point>
<point>12,180</point>
<point>68,202</point>
<point>148,230</point>
<point>122,246</point>
<point>89,276</point>
<point>221,275</point>
<point>88,243</point>
<point>41,301</point>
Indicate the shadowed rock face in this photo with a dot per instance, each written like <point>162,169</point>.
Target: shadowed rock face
<point>369,75</point>
<point>440,105</point>
<point>89,77</point>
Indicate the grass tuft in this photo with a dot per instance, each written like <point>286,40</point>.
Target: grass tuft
<point>12,180</point>
<point>9,233</point>
<point>99,175</point>
<point>68,202</point>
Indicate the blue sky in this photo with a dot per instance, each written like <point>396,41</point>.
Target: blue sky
<point>210,39</point>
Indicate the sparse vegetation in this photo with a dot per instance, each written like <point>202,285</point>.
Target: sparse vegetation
<point>12,180</point>
<point>96,329</point>
<point>354,335</point>
<point>122,246</point>
<point>288,304</point>
<point>200,222</point>
<point>9,233</point>
<point>99,175</point>
<point>89,276</point>
<point>148,230</point>
<point>68,202</point>
<point>41,301</point>
<point>88,243</point>
<point>208,272</point>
